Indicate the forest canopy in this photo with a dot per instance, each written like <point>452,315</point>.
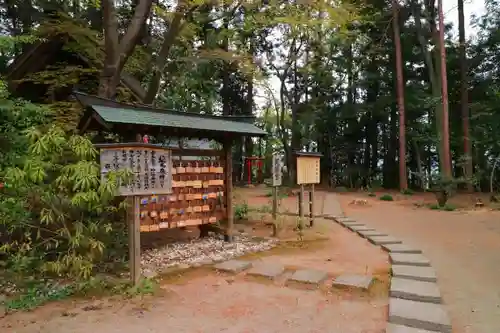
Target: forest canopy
<point>339,88</point>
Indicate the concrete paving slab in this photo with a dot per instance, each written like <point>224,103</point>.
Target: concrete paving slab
<point>400,248</point>
<point>267,270</point>
<point>344,219</point>
<point>415,290</point>
<point>426,316</point>
<point>409,259</point>
<point>233,266</point>
<point>362,282</point>
<point>393,328</point>
<point>381,240</point>
<point>417,273</point>
<point>351,224</point>
<point>309,276</point>
<point>360,228</point>
<point>370,233</point>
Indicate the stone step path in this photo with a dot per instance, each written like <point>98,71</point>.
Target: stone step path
<point>415,304</point>
<point>305,276</point>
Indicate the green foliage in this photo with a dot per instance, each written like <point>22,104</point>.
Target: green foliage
<point>386,197</point>
<point>241,211</point>
<point>407,191</point>
<point>16,116</point>
<point>445,187</point>
<point>57,214</point>
<point>447,207</point>
<point>39,293</point>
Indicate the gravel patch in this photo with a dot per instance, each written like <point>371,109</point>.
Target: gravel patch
<point>203,251</point>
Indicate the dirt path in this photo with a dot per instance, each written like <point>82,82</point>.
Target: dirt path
<point>464,249</point>
<point>204,301</point>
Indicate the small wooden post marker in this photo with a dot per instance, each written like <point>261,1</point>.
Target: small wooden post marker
<point>277,177</point>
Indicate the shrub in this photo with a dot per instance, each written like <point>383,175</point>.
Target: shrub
<point>447,207</point>
<point>57,215</point>
<point>241,211</point>
<point>434,206</point>
<point>407,191</point>
<point>386,197</point>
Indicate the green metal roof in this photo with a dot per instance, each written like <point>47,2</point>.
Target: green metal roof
<point>173,119</point>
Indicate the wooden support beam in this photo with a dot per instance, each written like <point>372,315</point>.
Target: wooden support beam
<point>228,179</point>
<point>311,206</point>
<point>275,202</point>
<point>134,237</point>
<point>301,206</point>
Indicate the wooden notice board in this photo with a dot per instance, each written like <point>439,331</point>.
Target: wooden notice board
<point>151,168</point>
<point>308,171</point>
<point>172,193</point>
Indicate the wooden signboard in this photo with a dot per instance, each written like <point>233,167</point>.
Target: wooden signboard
<point>308,171</point>
<point>165,192</point>
<point>151,167</point>
<point>277,170</point>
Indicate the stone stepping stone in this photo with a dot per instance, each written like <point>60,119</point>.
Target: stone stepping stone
<point>393,328</point>
<point>409,259</point>
<point>400,248</point>
<point>382,240</point>
<point>233,266</point>
<point>360,228</point>
<point>309,276</point>
<point>417,273</point>
<point>370,233</point>
<point>426,316</point>
<point>342,219</point>
<point>415,290</point>
<point>267,270</point>
<point>362,282</point>
<point>352,224</point>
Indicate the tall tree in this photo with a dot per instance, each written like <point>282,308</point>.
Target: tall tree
<point>464,94</point>
<point>444,95</point>
<point>403,180</point>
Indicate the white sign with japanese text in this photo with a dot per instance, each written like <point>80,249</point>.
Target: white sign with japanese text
<point>277,170</point>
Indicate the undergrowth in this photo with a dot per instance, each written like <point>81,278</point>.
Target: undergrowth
<point>39,293</point>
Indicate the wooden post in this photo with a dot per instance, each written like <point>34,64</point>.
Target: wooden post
<point>275,202</point>
<point>311,206</point>
<point>301,206</point>
<point>134,239</point>
<point>228,180</point>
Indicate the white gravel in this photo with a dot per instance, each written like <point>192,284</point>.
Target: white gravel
<point>202,251</point>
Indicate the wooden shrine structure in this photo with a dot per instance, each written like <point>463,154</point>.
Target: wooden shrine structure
<point>167,191</point>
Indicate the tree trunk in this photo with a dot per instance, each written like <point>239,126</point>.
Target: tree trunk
<point>249,112</point>
<point>444,92</point>
<point>403,180</point>
<point>117,52</point>
<point>464,98</point>
<point>169,37</point>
